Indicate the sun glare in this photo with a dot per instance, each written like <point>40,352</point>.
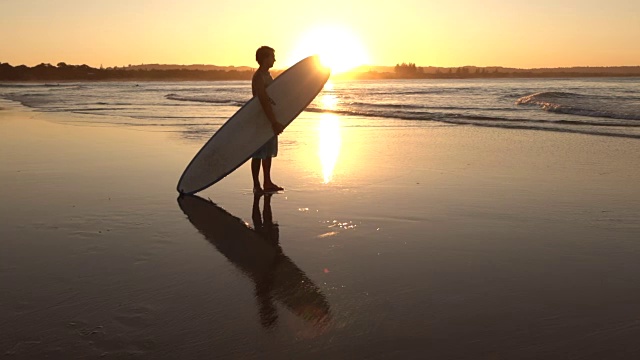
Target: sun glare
<point>339,48</point>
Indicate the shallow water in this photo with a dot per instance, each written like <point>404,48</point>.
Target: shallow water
<point>603,106</point>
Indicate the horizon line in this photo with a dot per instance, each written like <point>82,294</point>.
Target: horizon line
<point>355,68</point>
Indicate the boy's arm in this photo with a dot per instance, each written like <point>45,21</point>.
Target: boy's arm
<point>265,101</point>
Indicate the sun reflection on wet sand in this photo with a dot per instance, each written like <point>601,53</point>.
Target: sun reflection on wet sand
<point>329,144</point>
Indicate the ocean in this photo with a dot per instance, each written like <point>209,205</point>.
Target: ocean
<point>597,106</point>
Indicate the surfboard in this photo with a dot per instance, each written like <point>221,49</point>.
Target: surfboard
<point>248,129</point>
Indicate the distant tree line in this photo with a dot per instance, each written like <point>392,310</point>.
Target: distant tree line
<point>411,71</point>
<point>65,72</point>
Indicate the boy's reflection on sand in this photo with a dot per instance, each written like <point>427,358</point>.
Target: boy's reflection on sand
<point>257,253</point>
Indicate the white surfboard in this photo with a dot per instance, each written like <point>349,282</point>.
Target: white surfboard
<point>248,129</point>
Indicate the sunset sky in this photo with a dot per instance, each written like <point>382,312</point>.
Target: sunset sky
<point>516,33</point>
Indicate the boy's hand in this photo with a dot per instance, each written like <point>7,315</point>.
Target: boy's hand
<point>277,127</point>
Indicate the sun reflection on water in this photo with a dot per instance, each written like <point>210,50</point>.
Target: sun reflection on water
<point>329,102</point>
<point>329,145</point>
<point>328,86</point>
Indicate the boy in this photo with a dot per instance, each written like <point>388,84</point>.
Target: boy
<point>265,56</point>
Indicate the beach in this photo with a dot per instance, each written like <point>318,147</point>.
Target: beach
<point>390,241</point>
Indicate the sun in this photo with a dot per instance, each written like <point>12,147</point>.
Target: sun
<point>339,48</point>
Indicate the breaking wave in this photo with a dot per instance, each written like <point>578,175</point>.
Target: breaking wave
<point>583,105</point>
<point>204,99</point>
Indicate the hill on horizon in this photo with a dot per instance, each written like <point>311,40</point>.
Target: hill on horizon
<point>201,67</point>
<point>424,69</point>
<point>502,69</point>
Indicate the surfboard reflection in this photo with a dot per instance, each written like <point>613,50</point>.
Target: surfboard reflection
<point>257,253</point>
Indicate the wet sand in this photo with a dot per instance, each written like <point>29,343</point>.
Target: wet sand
<point>392,241</point>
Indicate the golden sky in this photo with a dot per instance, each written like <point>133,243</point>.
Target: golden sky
<point>515,33</point>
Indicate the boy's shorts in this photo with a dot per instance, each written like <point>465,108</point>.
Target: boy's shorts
<point>268,150</point>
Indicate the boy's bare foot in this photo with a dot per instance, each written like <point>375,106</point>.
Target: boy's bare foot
<point>257,190</point>
<point>272,188</point>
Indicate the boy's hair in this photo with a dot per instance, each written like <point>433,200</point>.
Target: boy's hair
<point>263,52</point>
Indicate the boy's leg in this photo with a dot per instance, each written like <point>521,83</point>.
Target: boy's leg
<point>255,173</point>
<point>266,167</point>
<point>268,184</point>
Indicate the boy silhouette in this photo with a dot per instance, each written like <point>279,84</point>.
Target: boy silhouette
<point>266,57</point>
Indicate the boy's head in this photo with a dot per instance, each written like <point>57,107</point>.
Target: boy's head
<point>263,53</point>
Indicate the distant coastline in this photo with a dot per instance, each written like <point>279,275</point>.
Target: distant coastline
<point>411,71</point>
<point>167,72</point>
